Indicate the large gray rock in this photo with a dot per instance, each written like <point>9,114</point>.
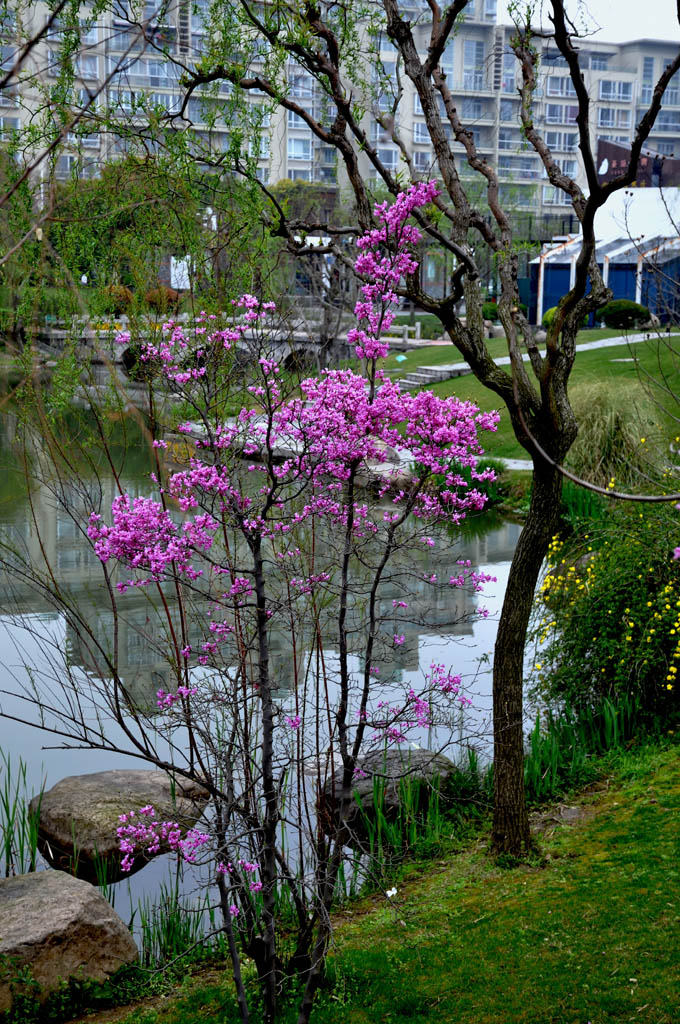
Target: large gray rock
<point>79,816</point>
<point>60,927</point>
<point>422,769</point>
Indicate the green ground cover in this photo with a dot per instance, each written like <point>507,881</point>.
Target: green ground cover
<point>440,355</point>
<point>588,933</point>
<point>653,362</point>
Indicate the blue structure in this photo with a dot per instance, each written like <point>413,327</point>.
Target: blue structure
<point>646,270</point>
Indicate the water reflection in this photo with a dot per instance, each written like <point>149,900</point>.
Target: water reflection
<point>38,641</point>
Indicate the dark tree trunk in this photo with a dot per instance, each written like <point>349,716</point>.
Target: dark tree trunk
<point>511,832</point>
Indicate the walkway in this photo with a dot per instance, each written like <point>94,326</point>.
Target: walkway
<point>425,376</point>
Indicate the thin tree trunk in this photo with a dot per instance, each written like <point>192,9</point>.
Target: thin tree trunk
<point>511,832</point>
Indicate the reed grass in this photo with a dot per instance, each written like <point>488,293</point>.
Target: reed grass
<point>171,925</point>
<point>561,749</point>
<point>18,826</point>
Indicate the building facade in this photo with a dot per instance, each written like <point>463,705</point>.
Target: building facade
<point>137,75</point>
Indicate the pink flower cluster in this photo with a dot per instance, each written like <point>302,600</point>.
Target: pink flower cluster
<point>143,536</point>
<point>248,868</point>
<point>166,700</point>
<point>440,678</point>
<point>183,352</point>
<point>145,834</point>
<point>385,257</point>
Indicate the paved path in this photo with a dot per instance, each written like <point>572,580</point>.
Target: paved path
<point>587,346</point>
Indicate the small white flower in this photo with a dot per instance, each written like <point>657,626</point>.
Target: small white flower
<point>390,893</point>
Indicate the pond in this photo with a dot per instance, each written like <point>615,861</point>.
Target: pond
<point>37,643</point>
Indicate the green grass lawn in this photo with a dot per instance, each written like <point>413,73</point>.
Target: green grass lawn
<point>441,355</point>
<point>588,934</point>
<point>654,363</point>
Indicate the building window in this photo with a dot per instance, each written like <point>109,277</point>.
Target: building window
<point>421,136</point>
<point>473,64</point>
<point>300,85</point>
<point>258,148</point>
<point>299,149</point>
<point>472,109</point>
<point>297,123</point>
<point>490,10</point>
<point>519,167</point>
<point>422,161</point>
<point>508,110</point>
<point>509,76</point>
<point>565,142</point>
<point>556,113</point>
<point>87,66</point>
<point>647,79</point>
<point>300,175</point>
<point>446,60</point>
<point>554,59</point>
<point>389,158</point>
<point>169,102</point>
<point>560,86</point>
<point>379,134</point>
<point>668,121</point>
<point>599,61</point>
<point>9,125</point>
<point>88,141</point>
<point>613,117</point>
<point>620,92</point>
<point>553,196</point>
<point>121,99</point>
<point>508,139</point>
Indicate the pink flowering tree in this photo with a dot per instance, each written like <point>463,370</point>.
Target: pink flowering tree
<point>281,547</point>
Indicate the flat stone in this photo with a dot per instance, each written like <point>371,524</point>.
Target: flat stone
<point>60,927</point>
<point>80,814</point>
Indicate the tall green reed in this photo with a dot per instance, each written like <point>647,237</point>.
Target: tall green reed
<point>561,749</point>
<point>18,825</point>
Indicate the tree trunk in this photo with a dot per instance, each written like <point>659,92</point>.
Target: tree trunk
<point>510,820</point>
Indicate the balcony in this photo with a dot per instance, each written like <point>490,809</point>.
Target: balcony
<point>471,81</point>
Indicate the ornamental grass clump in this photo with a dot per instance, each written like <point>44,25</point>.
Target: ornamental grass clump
<point>619,436</point>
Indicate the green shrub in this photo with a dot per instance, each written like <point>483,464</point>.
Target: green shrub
<point>610,615</point>
<point>622,313</point>
<point>490,310</point>
<point>549,316</point>
<point>117,299</point>
<point>162,299</point>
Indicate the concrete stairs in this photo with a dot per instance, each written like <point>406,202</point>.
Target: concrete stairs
<point>426,376</point>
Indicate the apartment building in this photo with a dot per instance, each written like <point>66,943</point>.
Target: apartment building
<point>138,74</point>
<point>483,76</point>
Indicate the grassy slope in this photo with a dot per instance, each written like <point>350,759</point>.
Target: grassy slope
<point>600,365</point>
<point>590,936</point>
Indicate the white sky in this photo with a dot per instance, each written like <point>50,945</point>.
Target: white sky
<point>619,20</point>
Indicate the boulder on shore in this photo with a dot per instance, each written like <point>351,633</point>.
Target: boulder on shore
<point>422,769</point>
<point>80,814</point>
<point>59,927</point>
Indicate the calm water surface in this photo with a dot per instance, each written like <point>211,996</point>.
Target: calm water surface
<point>36,642</point>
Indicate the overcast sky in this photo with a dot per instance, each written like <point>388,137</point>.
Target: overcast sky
<point>620,20</point>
